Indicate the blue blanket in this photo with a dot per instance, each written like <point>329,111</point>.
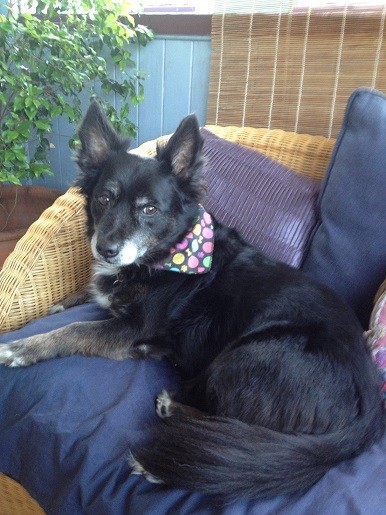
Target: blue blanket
<point>67,427</point>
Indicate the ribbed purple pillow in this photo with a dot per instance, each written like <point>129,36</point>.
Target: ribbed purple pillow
<point>273,207</point>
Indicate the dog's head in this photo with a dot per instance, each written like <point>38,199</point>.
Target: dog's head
<point>138,207</point>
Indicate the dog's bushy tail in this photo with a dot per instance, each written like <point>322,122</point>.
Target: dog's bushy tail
<point>229,459</point>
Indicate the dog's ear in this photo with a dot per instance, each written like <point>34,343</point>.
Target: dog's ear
<point>183,150</point>
<point>97,138</point>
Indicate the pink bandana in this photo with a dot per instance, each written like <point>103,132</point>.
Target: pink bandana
<point>193,255</point>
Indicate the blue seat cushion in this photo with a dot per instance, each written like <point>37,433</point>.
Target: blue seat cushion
<point>68,425</point>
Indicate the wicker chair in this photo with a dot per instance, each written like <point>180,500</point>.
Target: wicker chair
<point>53,259</point>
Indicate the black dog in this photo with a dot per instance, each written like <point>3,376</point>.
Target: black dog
<point>279,384</point>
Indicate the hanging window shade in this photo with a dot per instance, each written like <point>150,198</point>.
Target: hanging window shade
<point>292,64</point>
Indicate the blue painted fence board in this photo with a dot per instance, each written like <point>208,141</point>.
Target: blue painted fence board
<point>176,85</point>
<point>200,79</point>
<point>177,78</point>
<point>150,112</point>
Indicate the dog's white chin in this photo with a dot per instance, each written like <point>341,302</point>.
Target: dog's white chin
<point>128,254</point>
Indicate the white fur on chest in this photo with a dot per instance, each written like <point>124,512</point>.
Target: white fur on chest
<point>101,270</point>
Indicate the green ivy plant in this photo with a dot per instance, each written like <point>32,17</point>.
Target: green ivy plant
<point>48,58</point>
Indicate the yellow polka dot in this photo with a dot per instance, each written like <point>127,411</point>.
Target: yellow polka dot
<point>197,229</point>
<point>178,258</point>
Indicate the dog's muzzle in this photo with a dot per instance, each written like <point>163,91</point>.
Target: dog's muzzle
<point>113,253</point>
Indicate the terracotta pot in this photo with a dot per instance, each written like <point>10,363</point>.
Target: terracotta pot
<point>19,207</point>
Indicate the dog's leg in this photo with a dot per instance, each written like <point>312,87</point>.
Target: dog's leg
<point>166,406</point>
<point>73,300</point>
<point>111,338</point>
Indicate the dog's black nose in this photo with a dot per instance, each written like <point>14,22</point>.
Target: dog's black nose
<point>108,251</point>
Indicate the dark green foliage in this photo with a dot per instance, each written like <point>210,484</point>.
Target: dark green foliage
<point>47,59</point>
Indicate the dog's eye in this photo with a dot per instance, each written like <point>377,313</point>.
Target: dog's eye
<point>104,200</point>
<point>149,210</point>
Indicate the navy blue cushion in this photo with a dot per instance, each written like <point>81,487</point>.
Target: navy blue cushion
<point>67,427</point>
<point>347,250</point>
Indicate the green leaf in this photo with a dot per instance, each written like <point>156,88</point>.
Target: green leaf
<point>9,177</point>
<point>43,125</point>
<point>19,103</point>
<point>37,169</point>
<point>11,135</point>
<point>56,111</point>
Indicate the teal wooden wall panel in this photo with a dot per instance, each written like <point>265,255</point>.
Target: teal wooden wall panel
<point>200,79</point>
<point>176,103</point>
<point>150,114</point>
<point>176,85</point>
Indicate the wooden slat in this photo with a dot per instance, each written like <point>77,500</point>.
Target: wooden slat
<point>296,71</point>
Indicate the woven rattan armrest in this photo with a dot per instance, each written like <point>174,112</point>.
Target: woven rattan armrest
<point>15,500</point>
<point>51,261</point>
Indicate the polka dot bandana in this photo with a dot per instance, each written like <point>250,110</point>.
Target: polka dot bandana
<point>193,255</point>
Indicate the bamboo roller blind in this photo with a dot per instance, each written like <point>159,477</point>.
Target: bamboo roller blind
<point>293,71</point>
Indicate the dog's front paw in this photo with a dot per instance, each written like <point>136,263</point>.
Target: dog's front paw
<point>164,405</point>
<point>15,354</point>
<point>22,353</point>
<point>140,471</point>
<point>56,308</point>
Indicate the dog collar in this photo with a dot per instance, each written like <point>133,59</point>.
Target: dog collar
<point>193,255</point>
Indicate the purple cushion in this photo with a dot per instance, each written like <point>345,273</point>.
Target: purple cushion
<point>273,207</point>
<point>348,251</point>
